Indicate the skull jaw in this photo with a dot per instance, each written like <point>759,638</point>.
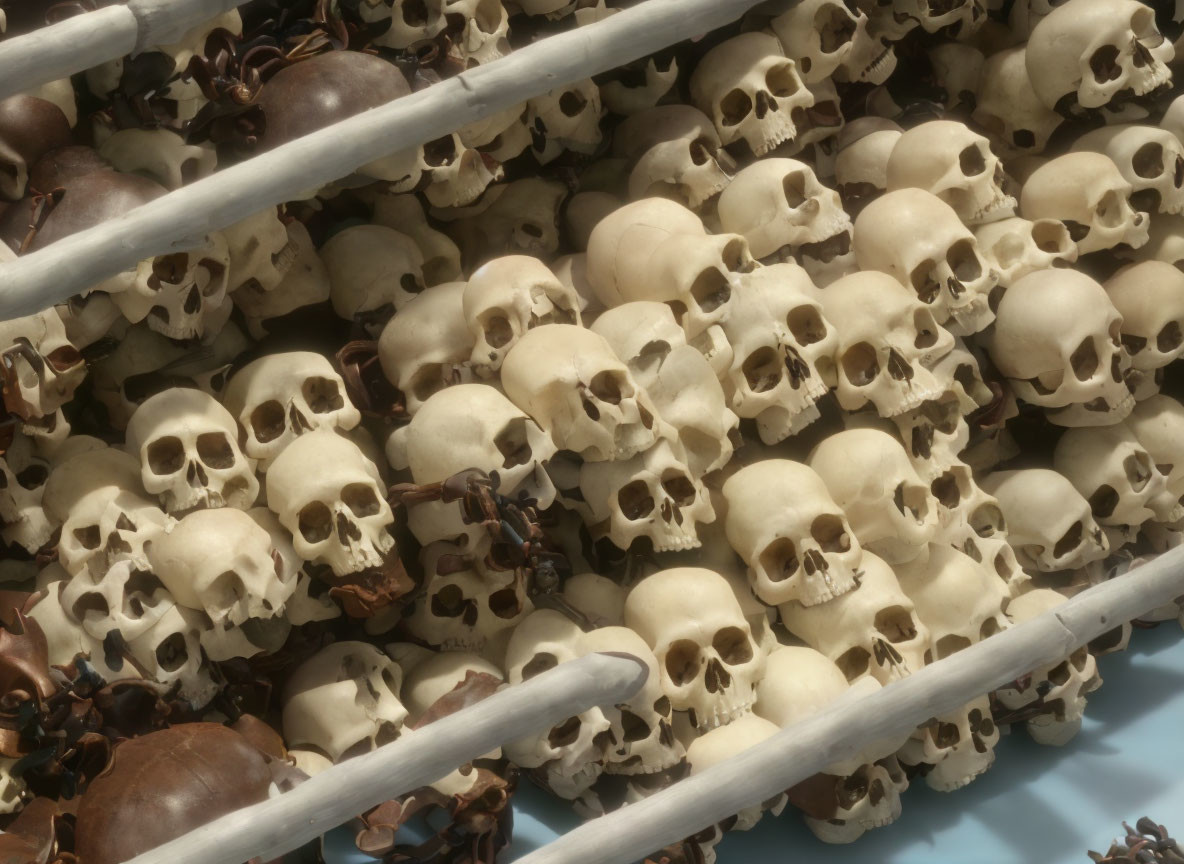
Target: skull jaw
<point>778,422</point>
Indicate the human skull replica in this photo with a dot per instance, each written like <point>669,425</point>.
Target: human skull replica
<point>373,271</point>
<point>709,660</point>
<point>571,754</point>
<point>752,92</point>
<point>40,366</point>
<point>1060,689</point>
<point>891,511</point>
<point>918,240</point>
<point>1149,158</point>
<point>1008,108</point>
<point>1116,475</point>
<point>474,426</point>
<point>107,525</point>
<point>861,164</point>
<point>122,597</point>
<point>259,250</point>
<point>338,515</point>
<point>680,381</point>
<point>169,652</point>
<point>506,297</point>
<point>189,455</point>
<point>427,346</point>
<point>783,351</point>
<point>23,474</point>
<point>1150,298</point>
<point>567,118</point>
<point>826,39</point>
<point>946,159</point>
<point>655,249</point>
<point>1156,423</point>
<point>793,536</point>
<point>1015,247</point>
<point>872,631</point>
<point>779,203</point>
<point>1084,53</point>
<point>1050,525</point>
<point>1057,338</point>
<point>279,397</point>
<point>223,563</point>
<point>888,343</point>
<point>343,701</point>
<point>721,743</point>
<point>1086,192</point>
<point>159,154</point>
<point>957,747</point>
<point>651,495</point>
<point>569,380</point>
<point>405,213</point>
<point>798,683</point>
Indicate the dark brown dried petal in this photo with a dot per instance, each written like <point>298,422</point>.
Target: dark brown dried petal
<point>475,687</point>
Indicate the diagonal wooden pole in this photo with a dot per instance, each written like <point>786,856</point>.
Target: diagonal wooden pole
<point>281,824</point>
<point>841,731</point>
<point>178,220</point>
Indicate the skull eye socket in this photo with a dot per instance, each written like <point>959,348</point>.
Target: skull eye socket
<point>806,325</point>
<point>1070,540</point>
<point>1148,161</point>
<point>511,442</point>
<point>971,161</point>
<point>505,603</point>
<point>682,662</point>
<point>945,490</point>
<point>64,358</point>
<point>88,537</point>
<point>497,330</point>
<point>854,662</point>
<point>950,644</point>
<point>427,380</point>
<point>415,13</point>
<point>711,290</point>
<point>1104,64</point>
<point>166,455</point>
<point>835,28</point>
<point>680,488</point>
<point>1050,236</point>
<point>793,186</point>
<point>448,602</point>
<point>734,107</point>
<point>924,283</point>
<point>895,623</point>
<point>172,653</point>
<point>635,500</point>
<point>779,560</point>
<point>1169,338</point>
<point>361,499</point>
<point>782,80</point>
<point>963,261</point>
<point>170,269</point>
<point>988,629</point>
<point>987,521</point>
<point>441,152</point>
<point>606,386</point>
<point>267,421</point>
<point>860,365</point>
<point>732,645</point>
<point>830,533</point>
<point>1111,209</point>
<point>634,728</point>
<point>565,734</point>
<point>322,395</point>
<point>32,477</point>
<point>315,522</point>
<point>572,103</point>
<point>538,664</point>
<point>1137,467</point>
<point>912,501</point>
<point>214,450</point>
<point>1084,360</point>
<point>1103,502</point>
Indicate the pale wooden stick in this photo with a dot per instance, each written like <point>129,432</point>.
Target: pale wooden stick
<point>177,220</point>
<point>841,731</point>
<point>281,824</point>
<point>95,37</point>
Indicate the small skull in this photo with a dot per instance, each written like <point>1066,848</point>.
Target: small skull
<point>39,366</point>
<point>1007,107</point>
<point>373,271</point>
<point>1150,159</point>
<point>1150,298</point>
<point>1015,247</point>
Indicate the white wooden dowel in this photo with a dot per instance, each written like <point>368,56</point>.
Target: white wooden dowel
<point>174,221</point>
<point>281,824</point>
<point>840,732</point>
<point>87,40</point>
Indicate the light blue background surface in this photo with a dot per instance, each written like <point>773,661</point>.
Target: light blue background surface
<point>1037,804</point>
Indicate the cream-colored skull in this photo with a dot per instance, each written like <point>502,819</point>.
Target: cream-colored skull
<point>410,20</point>
<point>655,249</point>
<point>1060,688</point>
<point>1086,192</point>
<point>107,525</point>
<point>681,382</point>
<point>957,747</point>
<point>305,282</point>
<point>638,86</point>
<point>1116,475</point>
<point>888,342</point>
<point>481,38</point>
<point>343,701</point>
<point>189,455</point>
<point>520,217</point>
<point>945,158</point>
<point>676,153</point>
<point>41,361</point>
<point>710,663</point>
<point>1057,339</point>
<point>872,631</point>
<point>651,495</point>
<point>223,563</point>
<point>280,397</point>
<point>567,118</point>
<point>506,297</point>
<point>861,164</point>
<point>778,203</point>
<point>259,252</point>
<point>793,536</point>
<point>23,474</point>
<point>1149,158</point>
<point>1015,247</point>
<point>718,745</point>
<point>1157,424</point>
<point>169,652</point>
<point>1007,107</point>
<point>1150,298</point>
<point>337,513</point>
<point>1050,525</point>
<point>474,426</point>
<point>571,753</point>
<point>891,511</point>
<point>159,154</point>
<point>569,380</point>
<point>918,239</point>
<point>427,345</point>
<point>1085,52</point>
<point>751,91</point>
<point>405,213</point>
<point>373,271</point>
<point>783,350</point>
<point>826,39</point>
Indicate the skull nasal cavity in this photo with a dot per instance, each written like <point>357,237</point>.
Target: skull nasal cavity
<point>971,161</point>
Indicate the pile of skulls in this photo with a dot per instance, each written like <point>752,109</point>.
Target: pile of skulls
<point>789,360</point>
